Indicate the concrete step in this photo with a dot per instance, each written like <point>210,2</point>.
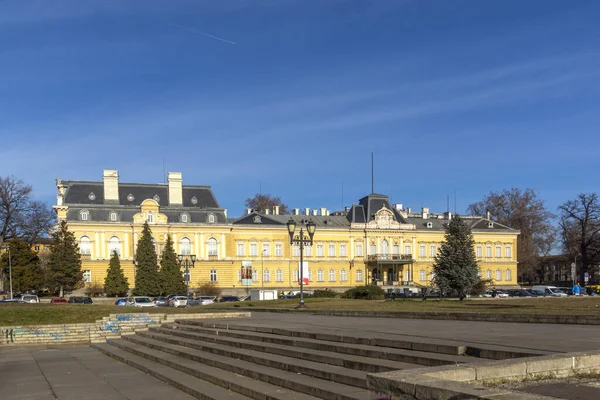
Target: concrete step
<point>193,386</point>
<point>218,369</point>
<point>333,373</point>
<point>326,357</point>
<point>393,354</point>
<point>416,344</point>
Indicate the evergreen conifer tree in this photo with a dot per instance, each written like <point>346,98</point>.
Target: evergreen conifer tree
<point>147,279</point>
<point>170,271</point>
<point>64,264</point>
<point>27,274</point>
<point>115,283</point>
<point>455,266</point>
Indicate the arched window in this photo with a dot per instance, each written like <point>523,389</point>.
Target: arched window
<point>85,245</point>
<point>84,215</point>
<point>184,218</point>
<point>213,250</point>
<point>150,217</point>
<point>211,219</point>
<point>113,216</point>
<point>384,247</point>
<point>114,244</point>
<point>185,246</point>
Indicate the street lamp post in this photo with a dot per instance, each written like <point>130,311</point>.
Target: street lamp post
<point>302,241</point>
<point>187,261</point>
<point>7,247</point>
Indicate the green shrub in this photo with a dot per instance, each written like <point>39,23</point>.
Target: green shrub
<point>325,293</point>
<point>367,292</point>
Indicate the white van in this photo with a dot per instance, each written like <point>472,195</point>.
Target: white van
<point>548,291</point>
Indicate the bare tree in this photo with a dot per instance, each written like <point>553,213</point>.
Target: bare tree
<point>579,226</point>
<point>20,216</point>
<point>522,210</point>
<point>261,202</point>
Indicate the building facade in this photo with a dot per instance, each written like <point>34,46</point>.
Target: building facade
<point>372,242</point>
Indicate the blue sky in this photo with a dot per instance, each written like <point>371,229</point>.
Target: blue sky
<point>294,95</point>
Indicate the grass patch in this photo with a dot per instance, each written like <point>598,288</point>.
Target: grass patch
<point>45,314</point>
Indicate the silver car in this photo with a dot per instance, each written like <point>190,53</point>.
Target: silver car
<point>204,300</point>
<point>178,301</point>
<point>140,301</point>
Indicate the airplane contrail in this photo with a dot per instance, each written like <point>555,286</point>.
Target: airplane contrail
<point>200,33</point>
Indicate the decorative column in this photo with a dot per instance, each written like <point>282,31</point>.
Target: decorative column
<point>197,245</point>
<point>126,245</point>
<point>96,246</point>
<point>203,253</point>
<point>103,245</point>
<point>222,246</point>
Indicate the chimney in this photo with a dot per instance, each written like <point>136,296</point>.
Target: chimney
<point>111,186</point>
<point>307,211</point>
<point>314,212</point>
<point>323,211</point>
<point>248,211</point>
<point>267,211</point>
<point>425,212</point>
<point>327,213</point>
<point>276,210</point>
<point>448,215</point>
<point>347,209</point>
<point>408,210</point>
<point>487,214</point>
<point>398,206</point>
<point>296,211</point>
<point>175,189</point>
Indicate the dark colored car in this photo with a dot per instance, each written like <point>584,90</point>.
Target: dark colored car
<point>58,300</point>
<point>228,299</point>
<point>520,293</point>
<point>160,301</point>
<point>80,300</point>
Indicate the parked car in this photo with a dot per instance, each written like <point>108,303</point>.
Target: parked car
<point>80,300</point>
<point>172,296</point>
<point>549,290</point>
<point>520,293</point>
<point>29,298</point>
<point>228,299</point>
<point>178,301</point>
<point>160,301</point>
<point>566,290</point>
<point>58,300</point>
<point>121,302</point>
<point>204,300</point>
<point>140,301</point>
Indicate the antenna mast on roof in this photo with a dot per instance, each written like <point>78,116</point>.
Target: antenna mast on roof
<point>455,202</point>
<point>372,175</point>
<point>164,172</point>
<point>342,195</point>
<point>448,203</point>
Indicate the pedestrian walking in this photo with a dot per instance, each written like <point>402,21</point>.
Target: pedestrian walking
<point>576,289</point>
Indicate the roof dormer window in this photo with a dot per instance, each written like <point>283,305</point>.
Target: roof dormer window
<point>84,215</point>
<point>150,217</point>
<point>429,225</point>
<point>211,218</point>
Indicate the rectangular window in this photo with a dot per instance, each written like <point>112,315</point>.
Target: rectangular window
<point>507,253</point>
<point>432,250</point>
<point>308,251</point>
<point>359,251</point>
<point>498,251</point>
<point>87,276</point>
<point>343,276</point>
<point>296,250</point>
<point>488,251</point>
<point>331,250</point>
<point>332,275</point>
<point>266,276</point>
<point>407,249</point>
<point>479,251</point>
<point>372,249</point>
<point>343,250</point>
<point>310,275</point>
<point>266,249</point>
<point>508,275</point>
<point>213,275</point>
<point>254,276</point>
<point>320,276</point>
<point>488,274</point>
<point>359,275</point>
<point>422,250</point>
<point>278,250</point>
<point>422,275</point>
<point>406,276</point>
<point>498,275</point>
<point>320,250</point>
<point>296,276</point>
<point>396,249</point>
<point>253,249</point>
<point>240,249</point>
<point>279,275</point>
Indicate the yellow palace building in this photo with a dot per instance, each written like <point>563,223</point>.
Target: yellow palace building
<point>371,242</point>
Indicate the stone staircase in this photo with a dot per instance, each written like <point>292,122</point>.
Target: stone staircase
<point>219,360</point>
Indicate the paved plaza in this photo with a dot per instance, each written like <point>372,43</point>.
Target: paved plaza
<point>83,373</point>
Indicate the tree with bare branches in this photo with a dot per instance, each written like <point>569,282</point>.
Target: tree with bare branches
<point>522,210</point>
<point>579,224</point>
<point>261,202</point>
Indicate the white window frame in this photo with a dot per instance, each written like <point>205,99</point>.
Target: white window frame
<point>432,250</point>
<point>422,275</point>
<point>113,216</point>
<point>267,275</point>
<point>332,275</point>
<point>498,275</point>
<point>343,252</point>
<point>184,218</point>
<point>254,276</point>
<point>278,250</point>
<point>266,249</point>
<point>408,249</point>
<point>358,247</point>
<point>211,219</point>
<point>212,247</point>
<point>85,245</point>
<point>296,275</point>
<point>320,250</point>
<point>331,250</point>
<point>488,251</point>
<point>185,246</point>
<point>488,274</point>
<point>359,275</point>
<point>479,251</point>
<point>310,275</point>
<point>253,249</point>
<point>422,250</point>
<point>385,247</point>
<point>87,276</point>
<point>308,251</point>
<point>295,251</point>
<point>508,252</point>
<point>320,275</point>
<point>279,275</point>
<point>241,249</point>
<point>508,274</point>
<point>498,251</point>
<point>150,217</point>
<point>114,243</point>
<point>396,249</point>
<point>372,248</point>
<point>84,215</point>
<point>214,277</point>
<point>343,276</point>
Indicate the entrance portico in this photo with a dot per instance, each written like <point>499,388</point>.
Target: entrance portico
<point>390,269</point>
